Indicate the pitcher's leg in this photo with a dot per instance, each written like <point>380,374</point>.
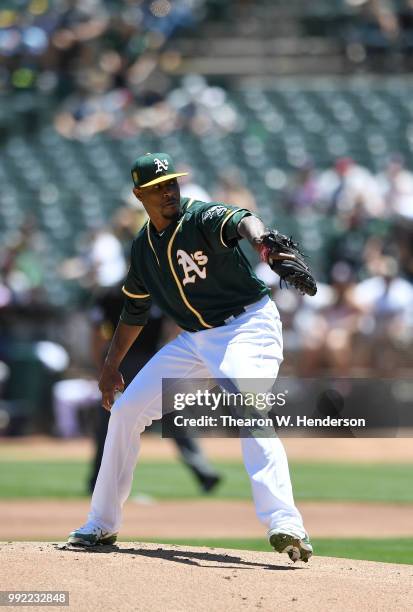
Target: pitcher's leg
<point>136,408</point>
<point>130,414</point>
<point>266,463</point>
<point>250,356</point>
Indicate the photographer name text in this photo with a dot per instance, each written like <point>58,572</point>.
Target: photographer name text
<point>277,421</point>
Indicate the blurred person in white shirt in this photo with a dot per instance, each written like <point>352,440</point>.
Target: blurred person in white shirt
<point>386,295</point>
<point>396,186</point>
<point>190,188</point>
<point>387,299</point>
<point>347,185</point>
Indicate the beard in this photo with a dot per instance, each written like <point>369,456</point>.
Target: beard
<point>172,213</point>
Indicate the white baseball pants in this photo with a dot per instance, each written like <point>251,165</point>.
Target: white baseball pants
<point>250,346</point>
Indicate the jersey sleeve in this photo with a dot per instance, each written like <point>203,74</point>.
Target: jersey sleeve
<point>137,299</point>
<point>218,222</point>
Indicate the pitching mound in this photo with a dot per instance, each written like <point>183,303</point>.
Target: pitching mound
<point>147,577</point>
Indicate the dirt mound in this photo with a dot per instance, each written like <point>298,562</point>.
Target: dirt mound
<point>146,577</point>
<point>49,519</point>
<point>360,450</point>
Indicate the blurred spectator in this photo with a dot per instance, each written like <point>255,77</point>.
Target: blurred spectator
<point>403,236</point>
<point>380,17</point>
<point>386,295</point>
<point>106,259</point>
<point>231,189</point>
<point>329,344</point>
<point>347,185</point>
<point>70,397</point>
<point>354,240</point>
<point>396,184</point>
<point>387,298</point>
<point>102,263</point>
<point>45,45</point>
<point>109,67</point>
<point>191,189</point>
<point>375,28</point>
<point>406,21</point>
<point>21,265</point>
<point>304,193</point>
<point>85,114</point>
<point>320,332</point>
<point>127,220</point>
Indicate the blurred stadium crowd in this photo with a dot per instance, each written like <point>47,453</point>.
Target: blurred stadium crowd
<point>61,48</point>
<point>88,85</point>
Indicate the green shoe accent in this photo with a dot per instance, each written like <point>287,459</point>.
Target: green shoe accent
<point>108,539</point>
<point>296,548</point>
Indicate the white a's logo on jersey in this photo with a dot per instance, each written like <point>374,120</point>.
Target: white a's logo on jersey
<point>190,263</point>
<point>213,211</point>
<point>161,164</point>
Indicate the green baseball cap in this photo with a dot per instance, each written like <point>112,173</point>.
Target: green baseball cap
<point>153,168</point>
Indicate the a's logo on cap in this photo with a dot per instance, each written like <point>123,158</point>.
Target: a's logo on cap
<point>135,176</point>
<point>161,164</point>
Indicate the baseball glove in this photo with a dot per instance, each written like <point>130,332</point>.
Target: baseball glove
<point>285,258</point>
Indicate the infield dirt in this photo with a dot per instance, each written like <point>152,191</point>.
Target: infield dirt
<point>198,519</point>
<point>356,450</point>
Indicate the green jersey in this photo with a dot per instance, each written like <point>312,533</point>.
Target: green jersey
<point>194,270</point>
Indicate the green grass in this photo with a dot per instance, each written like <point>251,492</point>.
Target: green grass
<point>312,481</point>
<point>383,550</point>
<point>353,482</point>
